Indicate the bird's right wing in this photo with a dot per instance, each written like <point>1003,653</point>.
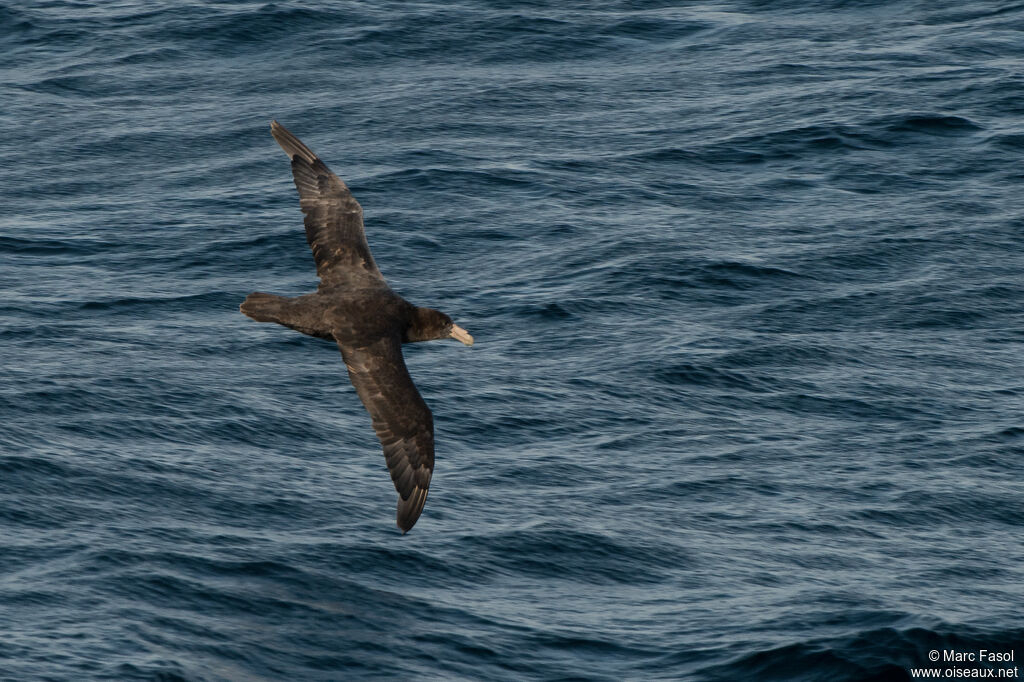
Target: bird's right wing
<point>334,219</point>
<point>403,422</point>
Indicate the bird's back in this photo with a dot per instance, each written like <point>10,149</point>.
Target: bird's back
<point>360,316</point>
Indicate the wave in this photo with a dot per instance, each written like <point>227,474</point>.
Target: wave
<point>877,654</point>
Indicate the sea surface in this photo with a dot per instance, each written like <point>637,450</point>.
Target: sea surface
<point>747,395</point>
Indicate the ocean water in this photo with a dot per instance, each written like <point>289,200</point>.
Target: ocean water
<point>747,397</point>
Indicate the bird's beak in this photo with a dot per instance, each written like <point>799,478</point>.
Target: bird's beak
<point>461,334</point>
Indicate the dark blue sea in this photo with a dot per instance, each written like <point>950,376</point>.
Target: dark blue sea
<point>747,396</point>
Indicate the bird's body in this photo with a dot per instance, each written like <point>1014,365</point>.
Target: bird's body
<point>351,316</point>
<point>355,307</point>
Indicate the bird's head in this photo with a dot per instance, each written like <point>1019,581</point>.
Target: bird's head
<point>428,324</point>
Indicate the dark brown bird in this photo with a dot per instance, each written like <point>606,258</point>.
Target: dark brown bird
<point>355,307</point>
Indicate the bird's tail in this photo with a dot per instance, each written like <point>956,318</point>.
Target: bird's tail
<point>265,307</point>
<point>287,311</point>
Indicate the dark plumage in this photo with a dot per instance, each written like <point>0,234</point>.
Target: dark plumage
<point>355,307</point>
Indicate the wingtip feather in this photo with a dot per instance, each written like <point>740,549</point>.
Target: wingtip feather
<point>292,145</point>
<point>409,510</point>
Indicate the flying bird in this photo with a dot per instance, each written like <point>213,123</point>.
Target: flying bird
<point>355,307</point>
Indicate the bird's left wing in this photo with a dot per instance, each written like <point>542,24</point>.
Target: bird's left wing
<point>334,219</point>
<point>403,422</point>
